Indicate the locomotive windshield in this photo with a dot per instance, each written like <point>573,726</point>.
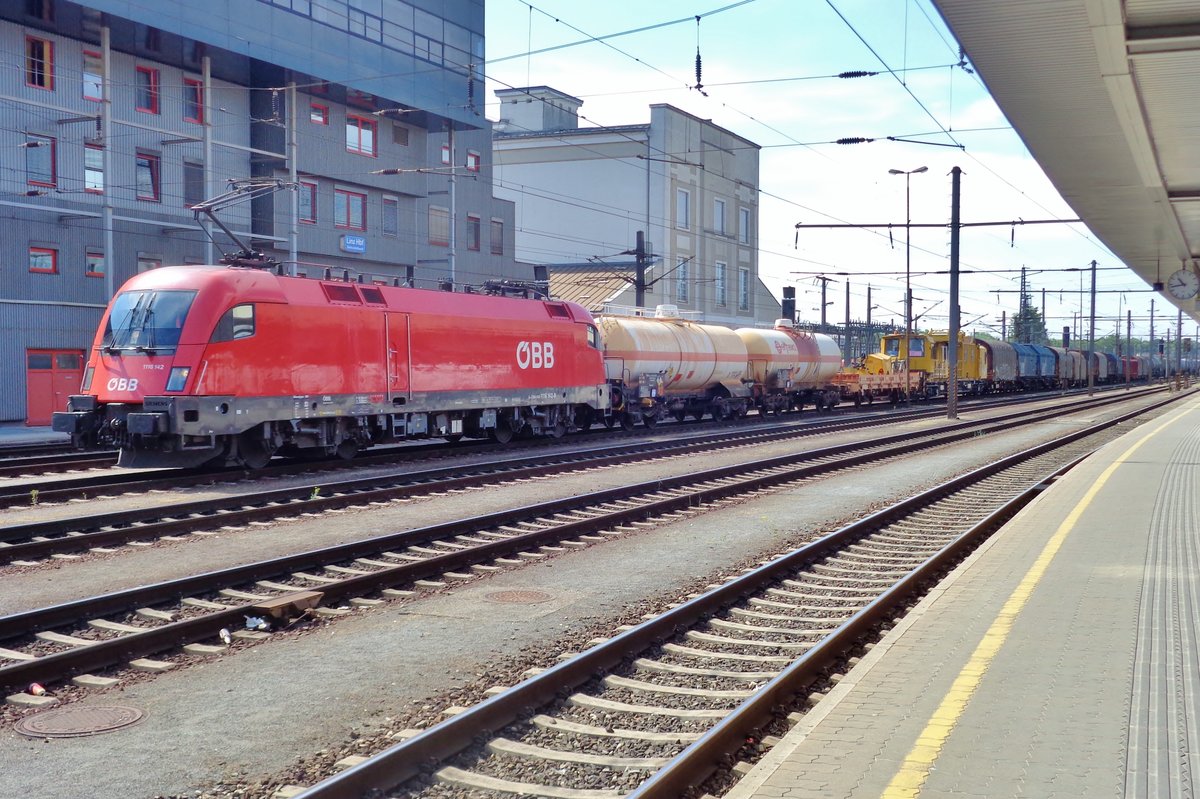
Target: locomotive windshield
<point>147,321</point>
<point>916,346</point>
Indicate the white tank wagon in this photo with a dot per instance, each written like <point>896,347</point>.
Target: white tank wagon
<point>789,368</point>
<point>665,364</point>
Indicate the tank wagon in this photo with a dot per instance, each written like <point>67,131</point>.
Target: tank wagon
<point>669,366</point>
<point>195,364</point>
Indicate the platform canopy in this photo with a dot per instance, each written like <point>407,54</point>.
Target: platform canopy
<point>1106,96</point>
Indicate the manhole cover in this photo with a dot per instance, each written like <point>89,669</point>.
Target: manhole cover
<point>78,720</point>
<point>518,597</point>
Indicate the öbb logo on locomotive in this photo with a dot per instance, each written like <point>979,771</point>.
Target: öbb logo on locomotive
<point>123,384</point>
<point>535,355</point>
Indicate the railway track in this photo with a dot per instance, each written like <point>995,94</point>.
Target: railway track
<point>39,460</point>
<point>24,544</point>
<point>55,643</point>
<point>18,465</point>
<point>669,707</point>
<point>25,450</point>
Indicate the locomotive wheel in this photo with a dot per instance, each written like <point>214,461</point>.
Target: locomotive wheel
<point>583,419</point>
<point>347,449</point>
<point>698,414</point>
<point>502,432</point>
<point>610,421</point>
<point>650,422</point>
<point>626,422</point>
<point>558,431</point>
<point>253,451</point>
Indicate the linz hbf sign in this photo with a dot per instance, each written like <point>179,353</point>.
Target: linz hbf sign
<point>354,243</point>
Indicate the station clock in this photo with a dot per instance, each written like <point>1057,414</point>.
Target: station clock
<point>1184,284</point>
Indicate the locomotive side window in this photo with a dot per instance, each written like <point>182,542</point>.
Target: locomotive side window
<point>341,292</point>
<point>147,322</point>
<point>593,337</point>
<point>373,295</point>
<point>237,322</point>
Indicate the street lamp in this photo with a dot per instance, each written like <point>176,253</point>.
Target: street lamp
<point>907,271</point>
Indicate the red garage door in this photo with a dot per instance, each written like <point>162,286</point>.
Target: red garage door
<point>50,377</point>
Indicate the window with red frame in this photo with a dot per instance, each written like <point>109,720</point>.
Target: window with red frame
<point>39,63</point>
<point>44,260</point>
<point>93,75</point>
<point>474,232</point>
<point>349,209</point>
<point>308,202</point>
<point>193,100</point>
<point>40,160</point>
<point>146,176</point>
<point>445,153</point>
<point>360,135</point>
<point>93,264</point>
<point>473,161</point>
<point>318,114</point>
<point>146,90</point>
<point>93,168</point>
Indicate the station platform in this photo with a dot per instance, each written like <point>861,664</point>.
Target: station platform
<point>1061,659</point>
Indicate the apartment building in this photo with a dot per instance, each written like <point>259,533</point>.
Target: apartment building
<point>358,120</point>
<point>583,193</point>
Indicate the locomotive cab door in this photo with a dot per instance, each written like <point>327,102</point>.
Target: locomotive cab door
<point>397,356</point>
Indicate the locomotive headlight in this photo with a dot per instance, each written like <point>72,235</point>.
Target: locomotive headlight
<point>178,378</point>
<point>87,379</point>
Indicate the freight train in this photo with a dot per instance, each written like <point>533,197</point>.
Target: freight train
<point>986,365</point>
<point>197,365</point>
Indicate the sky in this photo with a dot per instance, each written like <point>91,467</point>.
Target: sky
<point>769,72</point>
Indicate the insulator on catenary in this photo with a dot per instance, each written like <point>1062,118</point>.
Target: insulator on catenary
<point>854,140</point>
<point>857,73</point>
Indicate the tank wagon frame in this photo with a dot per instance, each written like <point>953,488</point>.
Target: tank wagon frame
<point>666,365</point>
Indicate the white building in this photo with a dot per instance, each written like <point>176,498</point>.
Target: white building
<point>582,195</point>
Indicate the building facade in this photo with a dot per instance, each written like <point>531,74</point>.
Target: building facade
<point>358,119</point>
<point>583,194</point>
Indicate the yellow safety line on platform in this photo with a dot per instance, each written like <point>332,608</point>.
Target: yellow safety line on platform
<point>912,774</point>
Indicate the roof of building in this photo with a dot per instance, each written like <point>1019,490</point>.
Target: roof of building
<point>532,91</point>
<point>498,131</point>
<point>590,286</point>
<point>1106,98</point>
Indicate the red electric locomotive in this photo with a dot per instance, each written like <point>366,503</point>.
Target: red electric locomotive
<point>198,364</point>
